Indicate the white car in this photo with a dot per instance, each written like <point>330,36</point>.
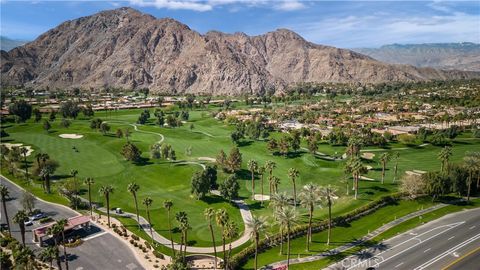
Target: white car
<point>28,223</point>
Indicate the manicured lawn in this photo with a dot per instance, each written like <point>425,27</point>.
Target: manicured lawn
<point>98,156</point>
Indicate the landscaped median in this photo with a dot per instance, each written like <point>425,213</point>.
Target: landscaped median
<point>348,228</point>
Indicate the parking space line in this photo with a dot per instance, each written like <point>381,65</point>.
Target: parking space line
<point>94,236</point>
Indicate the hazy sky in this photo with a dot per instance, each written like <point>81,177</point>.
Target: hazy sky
<point>344,24</point>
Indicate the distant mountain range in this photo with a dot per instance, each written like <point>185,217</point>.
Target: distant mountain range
<point>460,56</point>
<point>7,44</point>
<point>124,48</point>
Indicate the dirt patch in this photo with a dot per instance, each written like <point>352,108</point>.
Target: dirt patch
<point>207,159</point>
<point>70,136</point>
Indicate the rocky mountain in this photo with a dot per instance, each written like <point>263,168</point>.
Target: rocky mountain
<point>7,44</point>
<point>460,56</point>
<point>128,49</point>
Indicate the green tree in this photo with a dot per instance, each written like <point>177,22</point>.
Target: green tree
<point>20,218</point>
<point>200,185</point>
<point>24,152</point>
<point>28,202</point>
<point>209,214</point>
<point>46,125</point>
<point>168,204</point>
<point>270,166</point>
<point>131,152</point>
<point>396,156</point>
<point>252,166</point>
<point>5,194</point>
<point>234,160</point>
<point>148,202</point>
<point>384,158</point>
<point>257,226</point>
<point>21,109</point>
<point>309,198</point>
<point>62,224</point>
<point>229,188</point>
<point>444,157</point>
<point>222,218</point>
<point>231,232</point>
<point>293,175</point>
<point>133,188</point>
<point>106,191</point>
<point>89,182</point>
<point>261,172</point>
<point>279,201</point>
<point>327,194</point>
<point>48,254</point>
<point>182,219</point>
<point>287,217</point>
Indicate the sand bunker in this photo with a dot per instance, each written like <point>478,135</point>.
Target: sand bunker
<point>11,145</point>
<point>207,159</point>
<point>70,136</point>
<point>368,155</point>
<point>259,197</point>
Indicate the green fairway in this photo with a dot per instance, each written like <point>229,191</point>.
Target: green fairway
<point>98,156</point>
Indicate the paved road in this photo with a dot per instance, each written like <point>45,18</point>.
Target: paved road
<point>100,250</point>
<point>470,260</point>
<point>431,246</point>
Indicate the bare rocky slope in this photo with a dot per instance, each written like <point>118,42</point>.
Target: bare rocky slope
<point>459,56</point>
<point>124,48</point>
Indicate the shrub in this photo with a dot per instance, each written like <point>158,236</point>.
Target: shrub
<point>45,220</point>
<point>157,254</point>
<point>147,245</point>
<point>135,237</point>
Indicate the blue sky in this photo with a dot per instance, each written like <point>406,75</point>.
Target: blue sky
<point>345,24</point>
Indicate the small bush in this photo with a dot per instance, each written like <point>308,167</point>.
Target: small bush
<point>159,255</point>
<point>135,237</point>
<point>45,220</point>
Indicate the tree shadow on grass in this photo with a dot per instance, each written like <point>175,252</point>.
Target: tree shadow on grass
<point>143,162</point>
<point>57,177</point>
<point>244,143</point>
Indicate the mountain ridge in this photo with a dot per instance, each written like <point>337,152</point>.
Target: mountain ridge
<point>125,48</point>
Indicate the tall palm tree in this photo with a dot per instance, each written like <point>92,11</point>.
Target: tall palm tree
<point>20,218</point>
<point>222,218</point>
<point>444,157</point>
<point>275,183</point>
<point>395,168</point>
<point>167,204</point>
<point>270,166</point>
<point>356,168</point>
<point>62,224</point>
<point>261,171</point>
<point>287,217</point>
<point>24,152</point>
<point>209,213</point>
<point>384,158</point>
<point>106,191</point>
<point>293,174</point>
<point>148,202</point>
<point>257,226</point>
<point>74,173</point>
<point>309,198</point>
<point>278,202</point>
<point>24,258</point>
<point>55,231</point>
<point>4,193</point>
<point>231,233</point>
<point>89,182</point>
<point>470,164</point>
<point>133,189</point>
<point>252,166</point>
<point>48,255</point>
<point>328,194</point>
<point>182,219</point>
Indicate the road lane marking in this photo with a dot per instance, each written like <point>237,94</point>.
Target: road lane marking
<point>444,254</point>
<point>398,264</point>
<point>451,237</point>
<point>94,236</point>
<point>449,227</point>
<point>426,250</point>
<point>461,258</point>
<point>473,227</point>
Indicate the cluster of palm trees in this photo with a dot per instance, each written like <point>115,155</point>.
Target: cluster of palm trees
<point>229,230</point>
<point>286,216</point>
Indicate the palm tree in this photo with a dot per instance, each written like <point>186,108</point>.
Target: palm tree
<point>209,214</point>
<point>328,194</point>
<point>24,152</point>
<point>231,233</point>
<point>270,166</point>
<point>74,173</point>
<point>261,171</point>
<point>395,169</point>
<point>287,217</point>
<point>182,219</point>
<point>444,157</point>
<point>278,202</point>
<point>257,226</point>
<point>470,164</point>
<point>4,193</point>
<point>20,218</point>
<point>293,174</point>
<point>252,166</point>
<point>24,258</point>
<point>384,158</point>
<point>55,231</point>
<point>275,183</point>
<point>62,224</point>
<point>89,182</point>
<point>167,204</point>
<point>48,255</point>
<point>148,202</point>
<point>356,168</point>
<point>106,191</point>
<point>309,198</point>
<point>133,189</point>
<point>222,218</point>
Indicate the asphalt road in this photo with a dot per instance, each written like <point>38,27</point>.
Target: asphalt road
<point>434,245</point>
<point>470,260</point>
<point>100,249</point>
